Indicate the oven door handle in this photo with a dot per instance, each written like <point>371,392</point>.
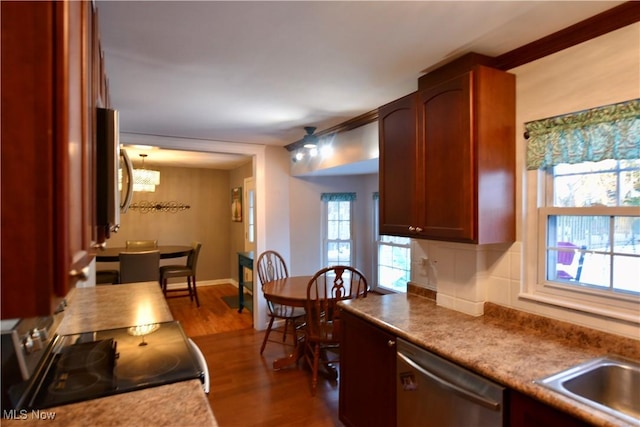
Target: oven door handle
<point>203,365</point>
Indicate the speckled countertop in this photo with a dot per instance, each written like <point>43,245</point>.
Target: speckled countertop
<point>105,307</point>
<point>507,346</point>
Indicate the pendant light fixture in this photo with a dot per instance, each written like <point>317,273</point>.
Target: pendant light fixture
<point>145,179</point>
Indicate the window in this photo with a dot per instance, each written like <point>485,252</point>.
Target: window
<point>393,257</point>
<point>589,206</point>
<point>593,236</point>
<point>338,235</point>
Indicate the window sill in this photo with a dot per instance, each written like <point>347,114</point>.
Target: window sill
<point>618,314</point>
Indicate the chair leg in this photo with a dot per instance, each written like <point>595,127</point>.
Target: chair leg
<point>286,327</point>
<point>189,288</point>
<point>195,292</point>
<point>314,369</point>
<point>294,329</point>
<point>266,334</point>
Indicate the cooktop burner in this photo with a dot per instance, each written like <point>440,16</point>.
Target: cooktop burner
<point>96,364</point>
<point>142,366</point>
<point>92,355</point>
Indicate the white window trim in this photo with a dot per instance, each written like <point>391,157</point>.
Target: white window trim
<point>379,243</point>
<point>325,232</point>
<point>536,288</point>
<point>376,244</point>
<point>249,197</point>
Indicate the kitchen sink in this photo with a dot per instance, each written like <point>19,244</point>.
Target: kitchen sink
<point>609,384</point>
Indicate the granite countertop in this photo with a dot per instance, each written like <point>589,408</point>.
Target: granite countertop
<point>504,345</point>
<point>176,405</point>
<point>106,307</point>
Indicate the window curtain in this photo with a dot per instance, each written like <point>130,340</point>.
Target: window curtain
<point>338,197</point>
<point>602,133</point>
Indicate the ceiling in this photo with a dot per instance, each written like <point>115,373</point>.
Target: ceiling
<point>258,72</point>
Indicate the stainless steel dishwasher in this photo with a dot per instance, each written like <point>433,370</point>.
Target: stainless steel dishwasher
<point>435,392</point>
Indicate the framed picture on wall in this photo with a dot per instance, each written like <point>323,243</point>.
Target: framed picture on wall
<point>236,204</point>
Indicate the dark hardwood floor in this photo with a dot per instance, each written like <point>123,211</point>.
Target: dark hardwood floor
<point>214,315</point>
<point>245,389</point>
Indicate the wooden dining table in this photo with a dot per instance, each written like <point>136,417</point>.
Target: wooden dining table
<point>112,254</point>
<point>291,291</point>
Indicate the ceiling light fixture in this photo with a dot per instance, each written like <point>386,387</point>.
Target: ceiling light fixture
<point>145,179</point>
<point>310,140</point>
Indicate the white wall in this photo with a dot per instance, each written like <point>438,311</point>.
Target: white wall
<point>306,219</point>
<point>354,149</point>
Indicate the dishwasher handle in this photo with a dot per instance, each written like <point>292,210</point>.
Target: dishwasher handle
<point>487,403</point>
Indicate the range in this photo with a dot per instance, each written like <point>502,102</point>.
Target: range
<point>95,364</point>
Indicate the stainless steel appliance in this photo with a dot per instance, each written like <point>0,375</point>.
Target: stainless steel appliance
<point>89,365</point>
<point>435,392</point>
<point>111,161</point>
<point>24,343</point>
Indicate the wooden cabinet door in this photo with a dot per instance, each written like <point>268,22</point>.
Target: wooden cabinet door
<point>527,412</point>
<point>74,140</point>
<point>448,186</point>
<point>398,173</point>
<point>367,374</point>
<point>466,126</point>
<point>46,165</point>
<point>28,227</point>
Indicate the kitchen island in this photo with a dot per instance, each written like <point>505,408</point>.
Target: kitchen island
<point>106,307</point>
<point>507,346</point>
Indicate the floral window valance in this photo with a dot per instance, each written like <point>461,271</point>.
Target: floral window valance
<point>338,197</point>
<point>609,132</point>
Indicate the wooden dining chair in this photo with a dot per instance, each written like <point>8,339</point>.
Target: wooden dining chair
<point>565,261</point>
<point>107,277</point>
<point>187,270</point>
<point>139,266</point>
<point>141,244</point>
<point>322,331</point>
<point>271,266</point>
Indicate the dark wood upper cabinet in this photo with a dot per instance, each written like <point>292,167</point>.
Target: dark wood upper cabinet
<point>447,158</point>
<point>48,156</point>
<point>398,166</point>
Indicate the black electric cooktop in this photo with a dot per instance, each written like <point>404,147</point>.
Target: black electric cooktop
<point>102,363</point>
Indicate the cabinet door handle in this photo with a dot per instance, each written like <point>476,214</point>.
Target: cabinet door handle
<point>419,229</point>
<point>455,388</point>
<point>82,274</point>
<point>391,343</point>
<point>124,206</point>
<point>412,228</point>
